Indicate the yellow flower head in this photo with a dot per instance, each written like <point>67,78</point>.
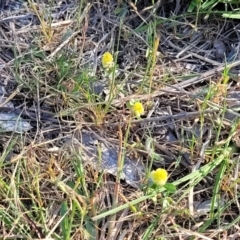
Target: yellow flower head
<point>159,176</point>
<point>138,109</point>
<point>107,60</point>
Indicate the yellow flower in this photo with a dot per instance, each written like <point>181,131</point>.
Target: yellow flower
<point>138,109</point>
<point>107,60</point>
<point>159,176</point>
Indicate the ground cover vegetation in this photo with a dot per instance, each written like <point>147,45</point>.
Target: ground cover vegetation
<point>119,119</point>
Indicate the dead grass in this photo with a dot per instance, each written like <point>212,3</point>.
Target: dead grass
<point>61,179</point>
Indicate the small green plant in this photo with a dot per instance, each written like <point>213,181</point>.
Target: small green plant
<point>208,6</point>
<point>158,179</point>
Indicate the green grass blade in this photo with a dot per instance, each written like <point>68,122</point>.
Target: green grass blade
<point>65,221</point>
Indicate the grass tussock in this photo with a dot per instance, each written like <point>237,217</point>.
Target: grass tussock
<point>133,108</point>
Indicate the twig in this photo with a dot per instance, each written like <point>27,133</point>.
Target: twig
<point>85,11</point>
<point>236,185</point>
<point>180,85</point>
<point>111,229</point>
<point>179,116</point>
<point>50,57</point>
<point>13,94</point>
<point>215,63</point>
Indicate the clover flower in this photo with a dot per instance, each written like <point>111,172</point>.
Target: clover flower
<point>138,109</point>
<point>159,176</point>
<point>107,60</point>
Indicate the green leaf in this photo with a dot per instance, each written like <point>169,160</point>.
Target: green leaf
<point>232,15</point>
<point>118,11</point>
<point>154,199</point>
<point>156,157</point>
<point>192,6</point>
<point>92,230</point>
<point>166,204</point>
<point>170,187</point>
<point>65,221</point>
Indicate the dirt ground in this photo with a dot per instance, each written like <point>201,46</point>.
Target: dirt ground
<point>57,100</point>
